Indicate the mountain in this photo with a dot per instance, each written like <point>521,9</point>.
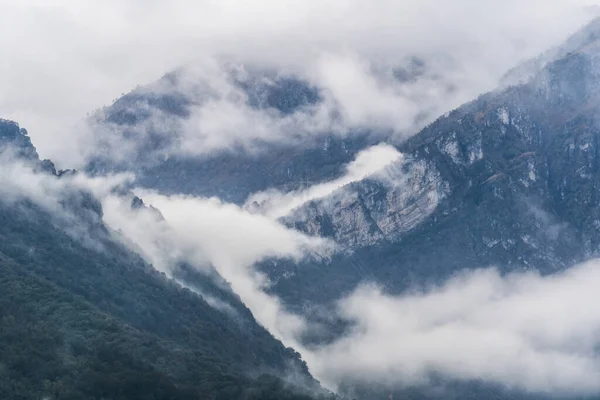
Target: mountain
<point>525,71</point>
<point>510,180</point>
<point>83,317</point>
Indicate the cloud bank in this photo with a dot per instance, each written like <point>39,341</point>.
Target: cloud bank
<point>389,66</point>
<point>540,334</point>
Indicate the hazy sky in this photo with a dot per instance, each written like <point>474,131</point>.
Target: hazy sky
<point>65,58</point>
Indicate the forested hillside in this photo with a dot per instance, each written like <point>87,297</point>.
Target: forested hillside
<point>85,318</point>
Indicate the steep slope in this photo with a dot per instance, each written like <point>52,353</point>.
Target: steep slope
<point>83,317</point>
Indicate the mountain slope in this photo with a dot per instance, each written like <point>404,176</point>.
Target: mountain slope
<point>83,317</point>
<point>530,68</point>
<point>510,180</point>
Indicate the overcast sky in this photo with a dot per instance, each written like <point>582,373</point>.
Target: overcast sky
<point>65,58</point>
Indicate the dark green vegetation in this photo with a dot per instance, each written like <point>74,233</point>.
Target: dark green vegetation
<point>56,345</point>
<point>81,317</point>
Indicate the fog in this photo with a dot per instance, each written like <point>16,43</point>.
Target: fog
<point>66,200</point>
<point>208,232</point>
<point>525,331</point>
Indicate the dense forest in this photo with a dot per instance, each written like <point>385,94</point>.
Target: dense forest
<point>82,324</point>
<point>82,317</point>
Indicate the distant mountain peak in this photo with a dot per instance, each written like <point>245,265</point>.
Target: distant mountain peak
<point>586,39</point>
<point>11,134</point>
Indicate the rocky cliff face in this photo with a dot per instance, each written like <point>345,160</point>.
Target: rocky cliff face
<point>378,209</point>
<point>510,180</point>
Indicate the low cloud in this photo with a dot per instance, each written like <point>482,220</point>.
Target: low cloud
<point>388,66</point>
<point>276,204</point>
<point>146,232</point>
<point>525,331</point>
<point>230,239</point>
<point>21,179</point>
<point>218,117</point>
<point>69,200</point>
<point>202,232</point>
